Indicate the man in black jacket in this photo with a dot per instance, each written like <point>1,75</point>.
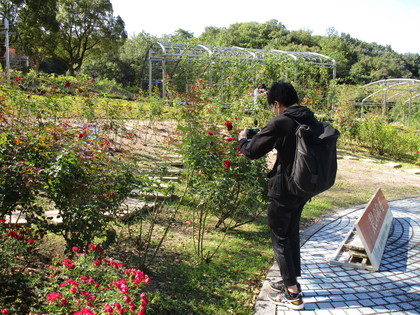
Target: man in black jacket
<point>284,209</point>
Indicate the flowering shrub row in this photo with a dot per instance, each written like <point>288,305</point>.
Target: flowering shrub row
<point>73,168</point>
<point>86,283</point>
<point>378,135</point>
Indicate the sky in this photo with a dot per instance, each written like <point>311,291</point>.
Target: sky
<point>385,22</point>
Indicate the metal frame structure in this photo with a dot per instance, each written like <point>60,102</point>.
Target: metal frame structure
<point>11,61</point>
<point>7,54</point>
<point>166,53</point>
<point>405,90</point>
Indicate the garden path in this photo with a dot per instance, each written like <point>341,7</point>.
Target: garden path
<point>332,289</point>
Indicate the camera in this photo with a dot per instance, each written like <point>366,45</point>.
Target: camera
<point>250,133</point>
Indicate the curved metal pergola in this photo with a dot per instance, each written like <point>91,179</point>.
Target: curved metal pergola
<point>162,54</point>
<point>386,93</point>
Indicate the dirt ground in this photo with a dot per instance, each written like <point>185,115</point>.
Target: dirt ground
<point>394,182</point>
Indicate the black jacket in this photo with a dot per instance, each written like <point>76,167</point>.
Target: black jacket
<point>279,133</point>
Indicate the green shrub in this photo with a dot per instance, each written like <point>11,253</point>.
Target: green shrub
<point>87,185</point>
<point>46,165</point>
<point>382,138</point>
<point>346,122</point>
<point>231,185</point>
<point>223,182</point>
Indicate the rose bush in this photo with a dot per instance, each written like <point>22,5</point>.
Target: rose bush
<point>91,283</point>
<point>67,167</point>
<point>17,244</point>
<point>87,184</point>
<point>223,182</point>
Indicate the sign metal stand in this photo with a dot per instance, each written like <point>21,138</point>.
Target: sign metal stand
<point>364,246</point>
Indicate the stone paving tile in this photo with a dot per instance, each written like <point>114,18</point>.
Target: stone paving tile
<point>332,289</point>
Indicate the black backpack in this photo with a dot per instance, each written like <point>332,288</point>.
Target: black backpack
<point>315,164</point>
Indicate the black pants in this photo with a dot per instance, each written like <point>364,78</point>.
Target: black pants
<point>283,218</point>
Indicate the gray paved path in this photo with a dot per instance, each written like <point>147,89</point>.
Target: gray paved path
<point>332,289</point>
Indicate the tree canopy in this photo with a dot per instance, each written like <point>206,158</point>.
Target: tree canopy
<point>86,31</point>
<point>67,30</point>
<point>83,25</point>
<point>357,61</point>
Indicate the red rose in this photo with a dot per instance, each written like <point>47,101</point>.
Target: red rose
<point>53,296</point>
<point>68,263</point>
<point>67,84</point>
<point>229,125</point>
<point>227,163</point>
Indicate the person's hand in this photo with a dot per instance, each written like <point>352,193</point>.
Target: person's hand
<point>242,134</point>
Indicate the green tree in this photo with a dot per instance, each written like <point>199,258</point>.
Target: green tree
<point>304,38</point>
<point>125,66</point>
<point>374,68</point>
<point>86,27</point>
<point>247,35</point>
<point>412,64</point>
<point>37,25</point>
<point>180,36</point>
<point>211,35</point>
<point>134,53</point>
<point>10,8</point>
<point>340,48</point>
<point>276,33</point>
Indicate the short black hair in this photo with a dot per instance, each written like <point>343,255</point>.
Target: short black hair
<point>282,92</point>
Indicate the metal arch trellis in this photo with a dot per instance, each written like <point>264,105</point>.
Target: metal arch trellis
<point>387,91</point>
<point>165,54</point>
